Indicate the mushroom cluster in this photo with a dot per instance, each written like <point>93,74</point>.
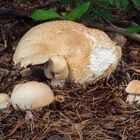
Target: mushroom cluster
<point>69,51</point>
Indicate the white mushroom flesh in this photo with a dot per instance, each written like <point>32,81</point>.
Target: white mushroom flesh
<point>101,59</point>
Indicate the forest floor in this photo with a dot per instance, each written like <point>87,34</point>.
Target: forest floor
<point>96,112</point>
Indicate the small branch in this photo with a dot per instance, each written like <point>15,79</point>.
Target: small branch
<point>15,128</point>
<point>133,36</point>
<point>4,38</point>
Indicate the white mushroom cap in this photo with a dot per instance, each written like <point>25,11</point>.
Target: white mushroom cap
<point>133,88</point>
<point>31,95</point>
<point>89,53</point>
<point>4,100</point>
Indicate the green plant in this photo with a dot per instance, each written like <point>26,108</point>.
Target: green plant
<point>133,29</point>
<point>74,14</point>
<point>136,3</point>
<point>121,4</point>
<point>77,12</point>
<point>89,9</point>
<point>43,14</point>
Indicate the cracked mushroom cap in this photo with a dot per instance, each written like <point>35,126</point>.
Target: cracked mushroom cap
<point>31,95</point>
<point>89,53</point>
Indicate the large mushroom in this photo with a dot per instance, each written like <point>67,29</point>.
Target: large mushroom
<point>69,50</point>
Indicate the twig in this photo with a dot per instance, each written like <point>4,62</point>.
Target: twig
<point>123,136</point>
<point>134,36</point>
<point>80,135</point>
<point>4,38</point>
<point>15,128</point>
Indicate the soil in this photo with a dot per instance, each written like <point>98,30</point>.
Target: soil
<point>96,112</point>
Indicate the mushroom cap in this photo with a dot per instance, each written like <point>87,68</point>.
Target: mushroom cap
<point>4,100</point>
<point>133,87</point>
<point>31,95</point>
<point>90,53</point>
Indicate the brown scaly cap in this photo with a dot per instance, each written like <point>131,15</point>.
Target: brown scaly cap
<point>77,44</point>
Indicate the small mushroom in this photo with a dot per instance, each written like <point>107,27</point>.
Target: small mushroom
<point>31,95</point>
<point>4,101</point>
<point>133,90</point>
<point>70,51</point>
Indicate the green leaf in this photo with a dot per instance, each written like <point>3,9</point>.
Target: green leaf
<point>77,12</point>
<point>133,29</point>
<point>44,14</point>
<point>63,14</point>
<point>136,2</point>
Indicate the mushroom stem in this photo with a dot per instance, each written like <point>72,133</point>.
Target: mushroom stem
<point>133,98</point>
<point>58,64</point>
<point>56,70</point>
<point>55,82</point>
<point>29,115</point>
